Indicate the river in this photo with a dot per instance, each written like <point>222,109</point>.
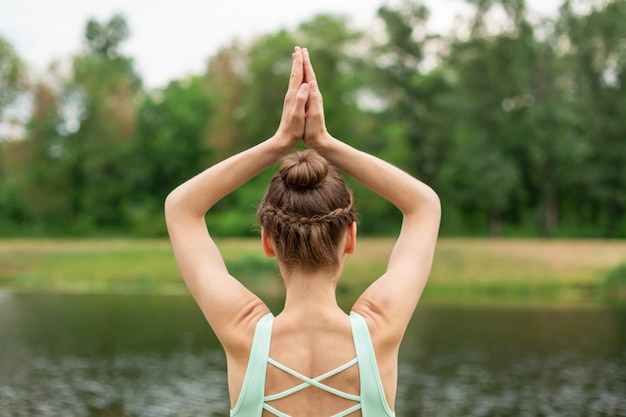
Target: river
<point>154,356</point>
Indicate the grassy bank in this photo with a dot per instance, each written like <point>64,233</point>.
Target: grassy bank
<point>464,269</point>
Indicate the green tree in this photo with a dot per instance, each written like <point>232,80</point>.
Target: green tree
<point>550,149</point>
<point>169,148</point>
<point>45,172</point>
<point>411,93</point>
<point>597,54</point>
<point>412,122</point>
<point>11,75</point>
<point>11,85</point>
<point>104,89</point>
<point>494,75</point>
<point>226,83</point>
<point>104,39</point>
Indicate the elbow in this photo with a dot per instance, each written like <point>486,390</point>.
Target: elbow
<point>433,201</point>
<point>430,205</point>
<point>171,206</point>
<point>179,205</point>
<point>168,209</point>
<point>169,203</point>
<point>425,208</point>
<point>424,201</point>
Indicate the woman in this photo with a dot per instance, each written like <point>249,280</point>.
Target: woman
<point>282,365</point>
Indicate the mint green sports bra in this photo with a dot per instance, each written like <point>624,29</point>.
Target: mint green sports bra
<point>371,400</point>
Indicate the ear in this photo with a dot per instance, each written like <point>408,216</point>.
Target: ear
<point>351,239</point>
<point>268,245</point>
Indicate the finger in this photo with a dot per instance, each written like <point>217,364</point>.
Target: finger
<point>303,95</point>
<point>309,74</point>
<point>302,98</point>
<point>297,70</point>
<point>315,97</point>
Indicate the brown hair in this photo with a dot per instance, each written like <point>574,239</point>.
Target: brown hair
<point>305,211</point>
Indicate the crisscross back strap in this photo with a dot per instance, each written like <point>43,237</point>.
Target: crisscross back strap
<point>313,382</point>
<point>344,413</point>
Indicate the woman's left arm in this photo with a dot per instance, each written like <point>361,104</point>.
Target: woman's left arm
<point>224,301</point>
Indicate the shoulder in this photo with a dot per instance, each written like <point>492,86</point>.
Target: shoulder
<point>384,352</point>
<point>237,338</point>
<point>384,331</point>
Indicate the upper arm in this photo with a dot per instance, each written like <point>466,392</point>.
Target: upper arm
<point>226,303</point>
<point>389,302</point>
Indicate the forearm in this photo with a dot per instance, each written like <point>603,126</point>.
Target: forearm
<point>197,195</point>
<point>407,193</point>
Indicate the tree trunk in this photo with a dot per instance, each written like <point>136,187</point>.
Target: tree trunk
<point>551,211</point>
<point>495,224</point>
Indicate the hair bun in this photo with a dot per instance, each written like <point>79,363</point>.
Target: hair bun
<point>303,170</point>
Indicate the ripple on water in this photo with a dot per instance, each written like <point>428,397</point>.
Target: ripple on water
<point>558,386</point>
<point>138,386</point>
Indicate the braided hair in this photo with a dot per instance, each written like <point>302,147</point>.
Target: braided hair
<point>306,210</point>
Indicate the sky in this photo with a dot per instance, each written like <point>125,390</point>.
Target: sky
<point>171,39</point>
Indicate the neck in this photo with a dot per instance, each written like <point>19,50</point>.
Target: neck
<point>310,292</point>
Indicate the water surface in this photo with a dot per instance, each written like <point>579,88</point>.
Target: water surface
<point>153,356</point>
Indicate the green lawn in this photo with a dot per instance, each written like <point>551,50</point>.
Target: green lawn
<point>464,269</point>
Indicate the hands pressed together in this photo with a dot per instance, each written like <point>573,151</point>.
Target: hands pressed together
<point>303,109</point>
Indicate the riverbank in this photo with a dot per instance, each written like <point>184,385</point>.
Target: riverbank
<point>465,269</point>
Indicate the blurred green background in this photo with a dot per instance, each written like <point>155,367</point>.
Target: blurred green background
<point>520,126</point>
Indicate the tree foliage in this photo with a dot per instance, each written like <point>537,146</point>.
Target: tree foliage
<point>11,75</point>
<point>517,123</point>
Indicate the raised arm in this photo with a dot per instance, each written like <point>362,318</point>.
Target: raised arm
<point>227,305</point>
<point>389,302</point>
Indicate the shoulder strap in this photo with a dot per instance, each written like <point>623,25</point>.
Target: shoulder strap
<point>373,400</point>
<point>250,402</point>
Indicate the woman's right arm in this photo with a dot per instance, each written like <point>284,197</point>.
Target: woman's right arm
<point>389,302</point>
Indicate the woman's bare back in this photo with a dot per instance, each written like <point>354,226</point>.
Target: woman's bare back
<point>312,347</point>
